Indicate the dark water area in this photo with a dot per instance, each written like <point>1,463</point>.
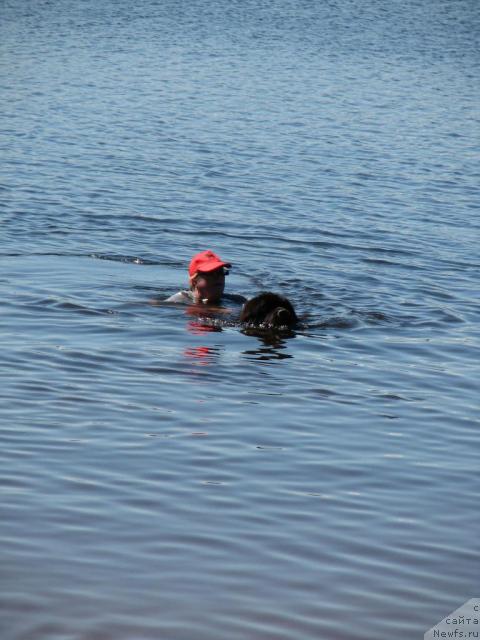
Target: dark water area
<point>163,477</point>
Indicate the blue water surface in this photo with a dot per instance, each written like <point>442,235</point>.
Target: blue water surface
<point>166,476</point>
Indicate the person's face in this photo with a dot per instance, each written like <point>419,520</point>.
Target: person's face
<point>209,286</point>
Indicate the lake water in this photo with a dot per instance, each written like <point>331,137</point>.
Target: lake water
<point>165,479</point>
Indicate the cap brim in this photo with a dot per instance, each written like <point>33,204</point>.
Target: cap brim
<point>212,266</point>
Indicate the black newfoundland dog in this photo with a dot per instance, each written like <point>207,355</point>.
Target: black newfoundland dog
<point>269,311</point>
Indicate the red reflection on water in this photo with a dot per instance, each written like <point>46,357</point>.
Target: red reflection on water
<point>198,327</point>
<point>202,355</point>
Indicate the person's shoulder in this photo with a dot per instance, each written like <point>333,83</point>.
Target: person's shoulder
<point>184,296</point>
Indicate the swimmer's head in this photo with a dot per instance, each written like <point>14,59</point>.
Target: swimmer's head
<point>207,273</point>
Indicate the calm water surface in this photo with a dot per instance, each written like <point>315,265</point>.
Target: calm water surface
<point>162,478</point>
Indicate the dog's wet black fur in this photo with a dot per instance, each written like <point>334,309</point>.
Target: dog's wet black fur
<point>269,311</point>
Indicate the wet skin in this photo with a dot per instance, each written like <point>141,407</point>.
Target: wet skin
<point>209,286</point>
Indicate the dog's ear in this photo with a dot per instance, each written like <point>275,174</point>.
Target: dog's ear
<point>280,317</point>
<point>287,307</point>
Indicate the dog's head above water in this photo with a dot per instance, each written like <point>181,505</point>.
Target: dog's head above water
<point>270,311</point>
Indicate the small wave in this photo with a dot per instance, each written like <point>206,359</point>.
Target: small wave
<point>373,317</point>
<point>354,319</point>
<point>53,303</point>
<point>123,258</point>
<point>335,322</point>
<point>73,306</point>
<point>31,254</point>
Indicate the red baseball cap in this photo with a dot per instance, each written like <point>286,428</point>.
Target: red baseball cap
<point>205,261</point>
